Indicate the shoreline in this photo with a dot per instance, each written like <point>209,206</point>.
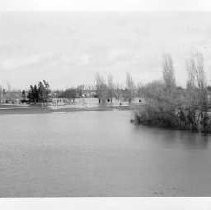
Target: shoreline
<point>13,109</point>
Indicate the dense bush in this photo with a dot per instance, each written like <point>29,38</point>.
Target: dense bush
<point>174,107</point>
<point>180,118</point>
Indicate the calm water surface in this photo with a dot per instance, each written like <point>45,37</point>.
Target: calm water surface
<point>99,154</point>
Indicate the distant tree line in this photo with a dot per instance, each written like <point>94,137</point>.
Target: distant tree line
<point>166,104</point>
<point>69,93</point>
<point>103,89</point>
<point>106,90</point>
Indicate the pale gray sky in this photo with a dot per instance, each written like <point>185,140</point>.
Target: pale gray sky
<point>68,48</point>
<point>104,5</point>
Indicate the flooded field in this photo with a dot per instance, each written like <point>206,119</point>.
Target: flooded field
<point>99,154</point>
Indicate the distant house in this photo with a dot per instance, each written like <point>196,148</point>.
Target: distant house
<point>60,101</point>
<point>87,93</point>
<point>11,97</point>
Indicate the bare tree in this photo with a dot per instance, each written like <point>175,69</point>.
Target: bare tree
<point>1,93</point>
<point>117,92</point>
<point>168,72</point>
<point>9,88</point>
<point>196,83</point>
<point>110,87</point>
<point>197,91</point>
<point>130,87</point>
<point>101,88</point>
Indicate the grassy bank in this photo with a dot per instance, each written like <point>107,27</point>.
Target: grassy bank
<point>38,109</point>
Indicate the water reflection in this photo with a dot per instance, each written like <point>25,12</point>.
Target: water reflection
<point>99,154</point>
<point>174,138</point>
<point>194,140</point>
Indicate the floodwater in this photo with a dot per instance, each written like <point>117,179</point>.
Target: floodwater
<point>99,154</point>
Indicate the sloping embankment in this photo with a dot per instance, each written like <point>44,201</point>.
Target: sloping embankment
<point>37,109</point>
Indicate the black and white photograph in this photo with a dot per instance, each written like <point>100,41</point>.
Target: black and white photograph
<point>99,99</point>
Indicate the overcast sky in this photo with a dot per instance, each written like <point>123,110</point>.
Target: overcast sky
<point>68,48</point>
<point>105,5</point>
